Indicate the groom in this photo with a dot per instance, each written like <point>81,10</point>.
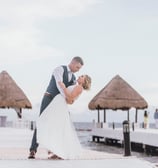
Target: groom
<point>65,74</point>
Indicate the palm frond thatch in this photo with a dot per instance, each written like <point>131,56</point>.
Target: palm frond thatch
<point>11,96</point>
<point>117,94</point>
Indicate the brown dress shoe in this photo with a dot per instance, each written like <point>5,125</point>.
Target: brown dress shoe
<point>32,155</point>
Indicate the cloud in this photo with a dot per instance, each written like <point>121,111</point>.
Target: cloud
<point>20,10</point>
<point>20,40</point>
<point>21,46</point>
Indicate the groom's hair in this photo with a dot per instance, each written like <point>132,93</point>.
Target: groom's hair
<point>78,59</point>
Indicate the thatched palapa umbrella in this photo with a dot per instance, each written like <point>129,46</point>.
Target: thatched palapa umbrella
<point>11,96</point>
<point>118,94</point>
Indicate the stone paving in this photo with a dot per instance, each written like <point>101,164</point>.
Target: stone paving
<point>14,146</point>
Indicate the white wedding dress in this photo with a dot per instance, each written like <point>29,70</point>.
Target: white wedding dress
<point>55,130</point>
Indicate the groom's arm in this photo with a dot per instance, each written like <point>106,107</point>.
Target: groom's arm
<point>58,75</point>
<point>71,95</point>
<point>66,92</point>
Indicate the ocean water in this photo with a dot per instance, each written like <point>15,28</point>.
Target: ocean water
<point>83,125</point>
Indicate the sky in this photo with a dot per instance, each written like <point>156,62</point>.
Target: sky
<point>114,37</point>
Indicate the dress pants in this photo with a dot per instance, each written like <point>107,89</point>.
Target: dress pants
<point>45,102</point>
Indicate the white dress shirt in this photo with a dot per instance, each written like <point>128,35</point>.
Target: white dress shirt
<point>58,75</point>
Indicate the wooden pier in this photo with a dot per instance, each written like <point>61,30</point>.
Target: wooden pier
<point>142,140</point>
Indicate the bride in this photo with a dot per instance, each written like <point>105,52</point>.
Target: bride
<point>55,130</point>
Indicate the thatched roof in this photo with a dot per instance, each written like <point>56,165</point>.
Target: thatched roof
<point>11,96</point>
<point>117,94</point>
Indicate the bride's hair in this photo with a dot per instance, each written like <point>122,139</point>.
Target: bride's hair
<point>87,82</point>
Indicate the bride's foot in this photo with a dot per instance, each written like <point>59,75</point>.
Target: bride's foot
<point>55,157</point>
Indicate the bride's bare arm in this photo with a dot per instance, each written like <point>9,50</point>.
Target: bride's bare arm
<point>71,95</point>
